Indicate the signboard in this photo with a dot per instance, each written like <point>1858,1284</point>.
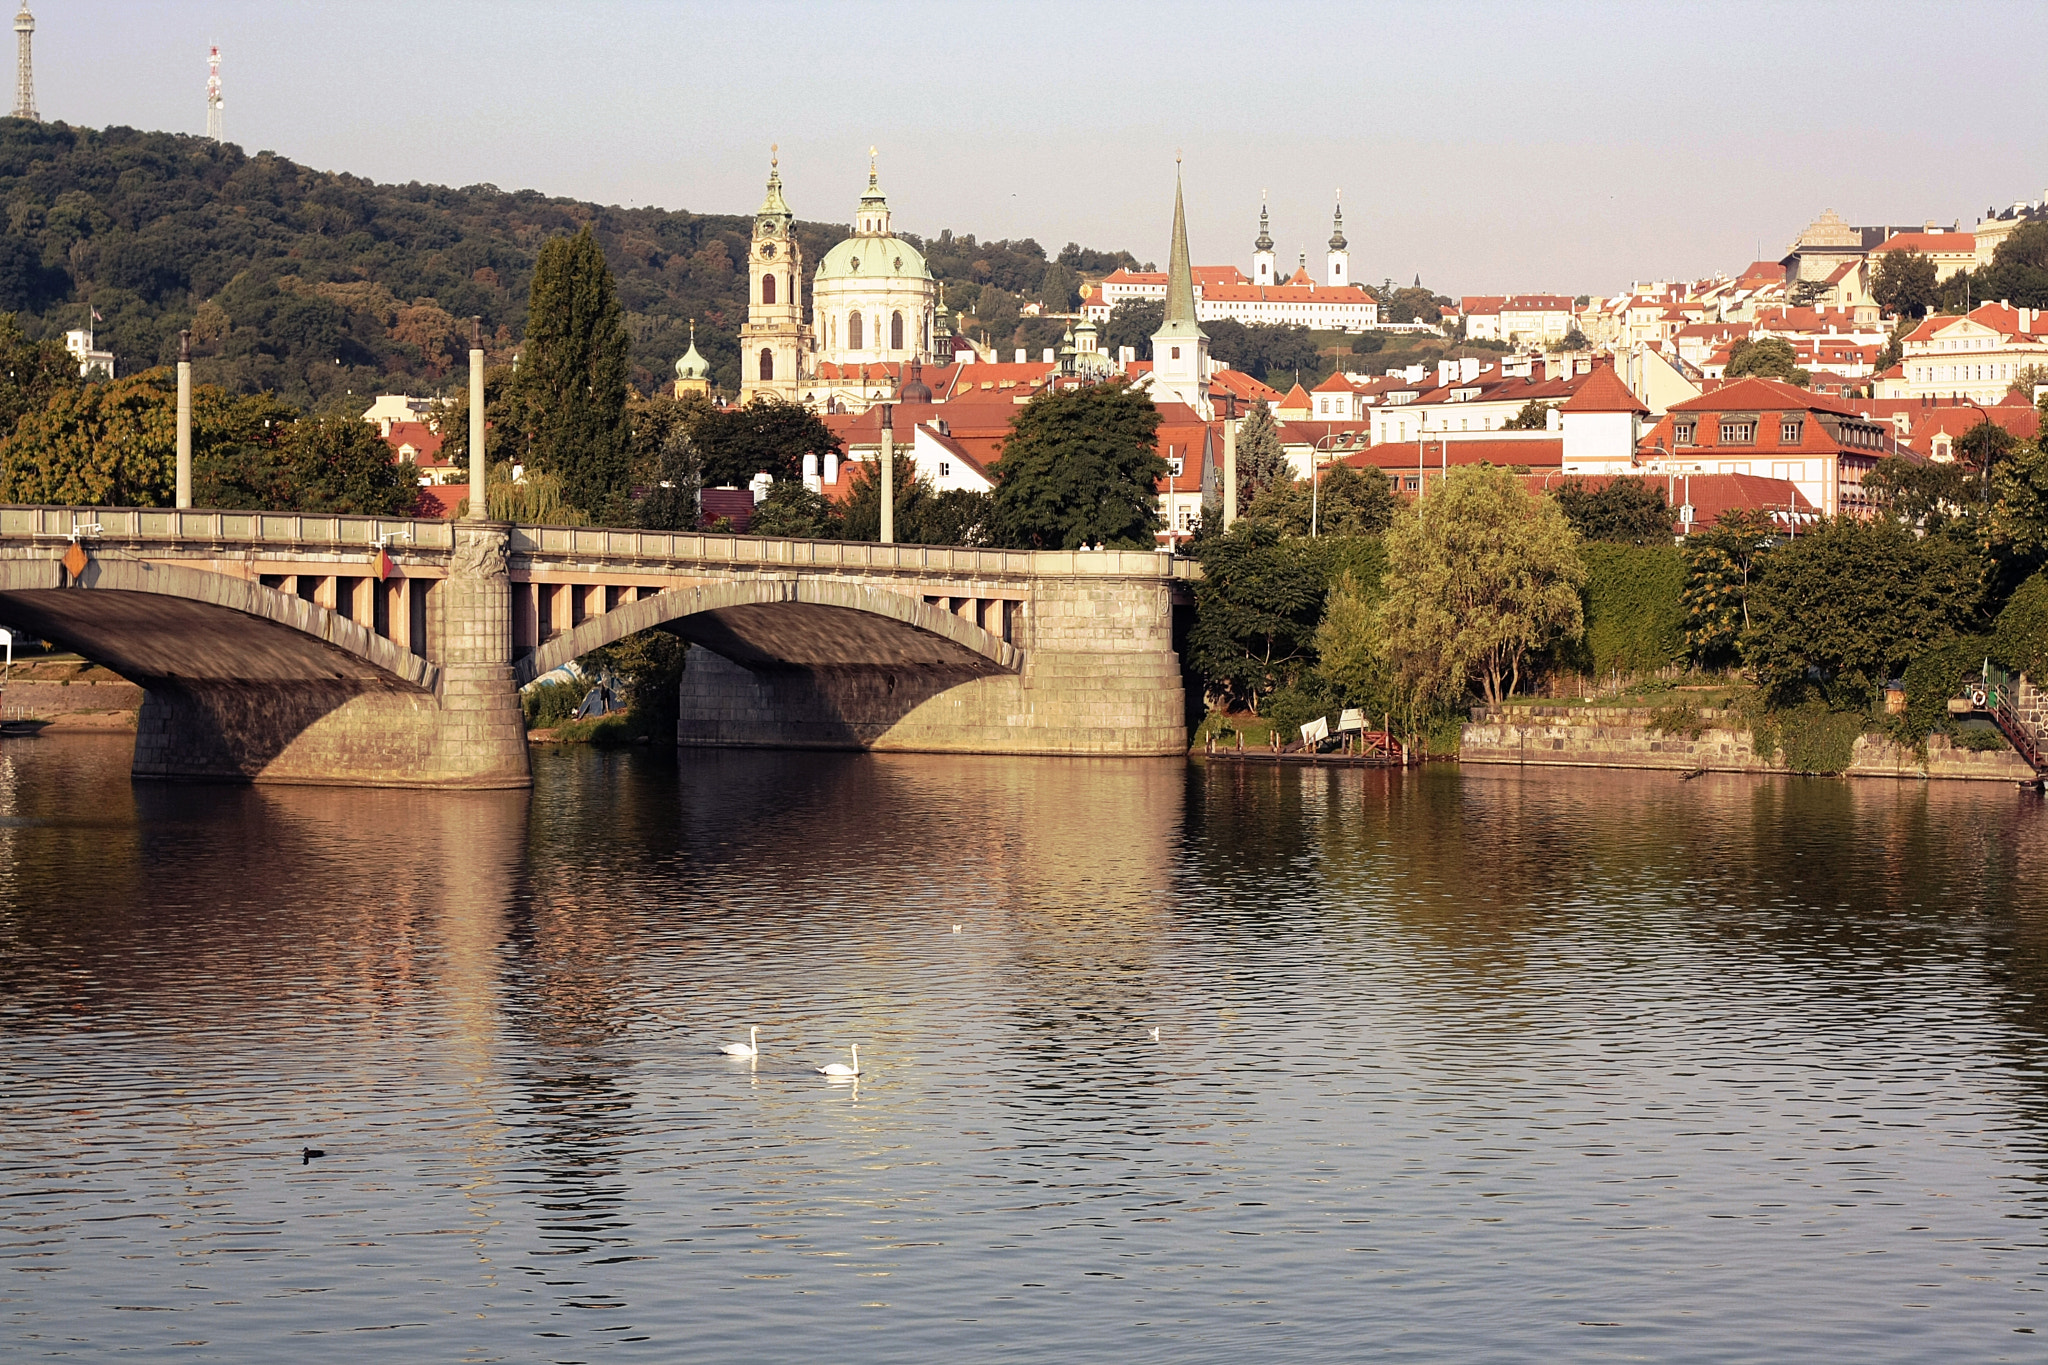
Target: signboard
<point>1352,719</point>
<point>1315,731</point>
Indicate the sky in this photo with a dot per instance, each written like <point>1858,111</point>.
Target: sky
<point>1487,147</point>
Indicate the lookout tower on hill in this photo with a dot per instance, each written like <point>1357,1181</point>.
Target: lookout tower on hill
<point>24,74</point>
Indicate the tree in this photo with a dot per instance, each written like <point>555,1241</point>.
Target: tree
<point>341,464</point>
<point>1060,288</point>
<point>1720,564</point>
<point>1923,496</point>
<point>767,436</point>
<point>1572,340</point>
<point>792,509</point>
<point>1258,604</point>
<point>1767,357</point>
<point>1080,467</point>
<point>1345,501</point>
<point>573,376</point>
<point>31,372</point>
<point>1368,343</point>
<point>2016,524</point>
<point>2026,379</point>
<point>668,471</point>
<point>1846,607</point>
<point>1412,304</point>
<point>2018,272</point>
<point>1132,323</point>
<point>1351,661</point>
<point>1904,285</point>
<point>1534,416</point>
<point>1482,576</point>
<point>1627,509</point>
<point>1261,462</point>
<point>1983,445</point>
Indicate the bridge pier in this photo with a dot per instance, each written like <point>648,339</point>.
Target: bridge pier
<point>1098,676</point>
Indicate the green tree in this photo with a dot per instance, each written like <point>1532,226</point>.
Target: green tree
<point>1080,467</point>
<point>1261,462</point>
<point>793,510</point>
<point>572,376</point>
<point>1923,495</point>
<point>1132,323</point>
<point>767,436</point>
<point>2016,528</point>
<point>1983,446</point>
<point>1904,284</point>
<point>924,515</point>
<point>668,472</point>
<point>1351,660</point>
<point>1635,612</point>
<point>31,373</point>
<point>2018,272</point>
<point>1766,357</point>
<point>1346,501</point>
<point>1626,509</point>
<point>1720,568</point>
<point>1848,605</point>
<point>1534,416</point>
<point>1368,343</point>
<point>2019,638</point>
<point>1572,340</point>
<point>1258,604</point>
<point>341,464</point>
<point>1483,576</point>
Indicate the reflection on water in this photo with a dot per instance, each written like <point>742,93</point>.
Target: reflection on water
<point>1479,1066</point>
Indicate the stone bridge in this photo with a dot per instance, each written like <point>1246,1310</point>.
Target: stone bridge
<point>360,650</point>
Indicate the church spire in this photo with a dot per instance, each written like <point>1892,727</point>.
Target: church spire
<point>1265,241</point>
<point>1337,242</point>
<point>772,206</point>
<point>1180,276</point>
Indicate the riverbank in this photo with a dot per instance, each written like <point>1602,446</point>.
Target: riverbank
<point>1628,737</point>
<point>70,694</point>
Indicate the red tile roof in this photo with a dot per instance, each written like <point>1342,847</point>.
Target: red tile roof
<point>1538,453</point>
<point>1752,393</point>
<point>1930,242</point>
<point>1603,391</point>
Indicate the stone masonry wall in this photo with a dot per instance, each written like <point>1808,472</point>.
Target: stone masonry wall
<point>1583,737</point>
<point>1100,677</point>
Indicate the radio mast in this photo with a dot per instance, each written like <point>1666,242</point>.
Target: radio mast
<point>212,91</point>
<point>24,79</point>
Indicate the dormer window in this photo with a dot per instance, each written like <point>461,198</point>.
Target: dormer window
<point>1790,431</point>
<point>1738,431</point>
<point>1681,433</point>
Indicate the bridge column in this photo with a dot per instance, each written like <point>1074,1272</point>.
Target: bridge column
<point>482,740</point>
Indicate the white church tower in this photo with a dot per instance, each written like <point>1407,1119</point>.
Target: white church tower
<point>1262,249</point>
<point>1340,254</point>
<point>1180,348</point>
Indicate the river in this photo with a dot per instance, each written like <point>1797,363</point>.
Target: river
<point>1450,1066</point>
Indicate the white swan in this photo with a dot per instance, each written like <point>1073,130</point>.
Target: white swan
<point>1155,1033</point>
<point>746,1049</point>
<point>840,1070</point>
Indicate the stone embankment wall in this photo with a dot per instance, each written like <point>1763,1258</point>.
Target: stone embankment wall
<point>1614,737</point>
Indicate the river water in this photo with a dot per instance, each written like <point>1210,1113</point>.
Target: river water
<point>1451,1066</point>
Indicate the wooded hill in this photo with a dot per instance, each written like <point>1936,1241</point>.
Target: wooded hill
<point>314,284</point>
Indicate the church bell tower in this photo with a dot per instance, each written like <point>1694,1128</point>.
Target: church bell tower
<point>775,345</point>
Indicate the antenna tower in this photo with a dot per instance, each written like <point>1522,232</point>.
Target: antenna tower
<point>24,79</point>
<point>212,92</point>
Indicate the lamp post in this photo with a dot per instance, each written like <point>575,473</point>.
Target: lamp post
<point>184,488</point>
<point>888,475</point>
<point>479,471</point>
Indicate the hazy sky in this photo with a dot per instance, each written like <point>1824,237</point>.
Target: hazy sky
<point>1569,147</point>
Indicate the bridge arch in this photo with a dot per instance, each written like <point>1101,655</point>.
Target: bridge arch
<point>799,622</point>
<point>162,624</point>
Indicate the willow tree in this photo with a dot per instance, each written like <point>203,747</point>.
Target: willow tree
<point>572,377</point>
<point>1483,576</point>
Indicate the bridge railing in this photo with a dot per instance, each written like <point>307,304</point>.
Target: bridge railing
<point>577,543</point>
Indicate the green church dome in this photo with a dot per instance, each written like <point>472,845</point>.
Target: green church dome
<point>874,258</point>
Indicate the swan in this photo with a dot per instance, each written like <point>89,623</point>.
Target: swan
<point>1155,1033</point>
<point>840,1070</point>
<point>956,928</point>
<point>746,1049</point>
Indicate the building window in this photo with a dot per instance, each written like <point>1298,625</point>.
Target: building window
<point>1681,434</point>
<point>767,365</point>
<point>853,332</point>
<point>1738,433</point>
<point>895,331</point>
<point>1176,353</point>
<point>1790,430</point>
<point>767,289</point>
<point>945,469</point>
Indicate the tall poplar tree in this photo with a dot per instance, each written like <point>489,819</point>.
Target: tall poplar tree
<point>572,377</point>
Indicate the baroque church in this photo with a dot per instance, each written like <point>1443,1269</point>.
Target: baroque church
<point>873,302</point>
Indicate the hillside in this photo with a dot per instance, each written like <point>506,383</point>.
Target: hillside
<point>316,283</point>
